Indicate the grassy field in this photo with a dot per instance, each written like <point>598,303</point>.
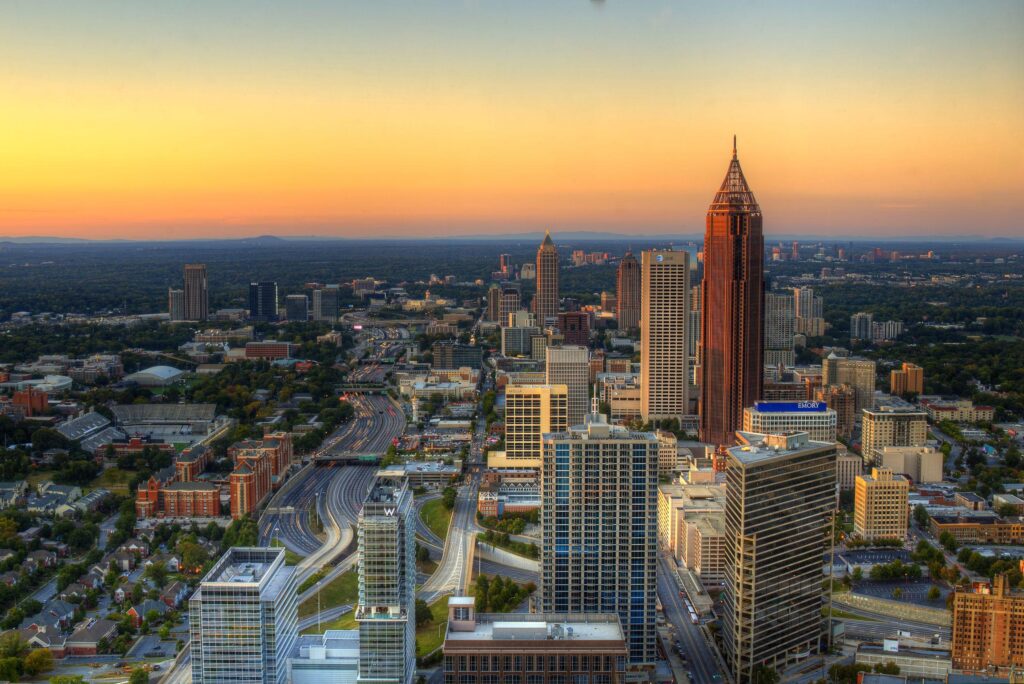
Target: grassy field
<point>38,477</point>
<point>436,517</point>
<point>114,479</point>
<point>430,636</point>
<point>290,557</point>
<point>339,592</point>
<point>346,621</point>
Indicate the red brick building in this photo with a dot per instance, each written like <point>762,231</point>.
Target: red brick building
<point>575,326</point>
<point>158,499</point>
<point>31,401</point>
<point>277,447</point>
<point>191,463</point>
<point>269,349</point>
<point>133,445</point>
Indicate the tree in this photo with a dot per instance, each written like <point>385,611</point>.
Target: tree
<point>158,573</point>
<point>449,497</point>
<point>897,593</point>
<point>921,515</point>
<point>10,669</point>
<point>933,593</point>
<point>858,573</point>
<point>12,646</point>
<point>38,661</point>
<point>67,679</point>
<point>139,676</point>
<point>423,613</point>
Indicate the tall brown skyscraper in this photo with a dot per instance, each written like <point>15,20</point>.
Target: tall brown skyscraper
<point>197,300</point>
<point>732,330</point>
<point>629,292</point>
<point>545,302</point>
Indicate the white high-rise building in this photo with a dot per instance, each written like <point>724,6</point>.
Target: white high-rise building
<point>242,618</point>
<point>664,338</point>
<point>570,366</point>
<point>386,613</point>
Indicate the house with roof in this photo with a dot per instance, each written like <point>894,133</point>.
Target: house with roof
<point>136,546</point>
<point>10,578</point>
<point>7,554</point>
<point>86,638</point>
<point>175,594</point>
<point>138,612</point>
<point>13,493</point>
<point>123,561</point>
<point>53,641</point>
<point>43,558</point>
<point>124,592</point>
<point>171,561</point>
<point>74,590</point>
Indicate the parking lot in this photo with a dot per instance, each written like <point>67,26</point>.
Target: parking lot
<point>915,592</point>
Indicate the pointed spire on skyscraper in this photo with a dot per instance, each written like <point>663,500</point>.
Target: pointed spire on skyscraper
<point>735,194</point>
<point>734,146</point>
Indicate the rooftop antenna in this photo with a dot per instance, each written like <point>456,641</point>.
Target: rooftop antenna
<point>734,146</point>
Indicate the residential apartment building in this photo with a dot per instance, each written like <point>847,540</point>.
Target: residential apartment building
<point>387,582</point>
<point>848,467</point>
<point>242,618</point>
<point>779,318</point>
<point>988,628</point>
<point>880,505</point>
<point>599,485</point>
<point>196,304</point>
<point>907,380</point>
<point>843,400</point>
<point>957,410</point>
<point>893,423</point>
<point>858,373</point>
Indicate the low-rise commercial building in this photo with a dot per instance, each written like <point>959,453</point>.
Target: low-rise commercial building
<point>922,464</point>
<point>535,648</point>
<point>774,417</point>
<point>957,410</point>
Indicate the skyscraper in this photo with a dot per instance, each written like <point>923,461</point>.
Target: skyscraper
<point>530,412</point>
<point>263,301</point>
<point>176,304</point>
<point>781,491</point>
<point>326,301</point>
<point>779,329</point>
<point>570,366</point>
<point>856,371</point>
<point>509,303</point>
<point>664,342</point>
<point>628,297</point>
<point>505,264</point>
<point>545,301</point>
<point>387,582</point>
<point>197,298</point>
<point>242,618</point>
<point>296,307</point>
<point>575,327</point>
<point>494,303</point>
<point>733,325</point>
<point>907,380</point>
<point>860,326</point>
<point>599,519</point>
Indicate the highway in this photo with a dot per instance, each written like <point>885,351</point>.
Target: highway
<point>451,571</point>
<point>700,659</point>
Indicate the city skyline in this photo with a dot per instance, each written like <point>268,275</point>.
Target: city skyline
<point>238,121</point>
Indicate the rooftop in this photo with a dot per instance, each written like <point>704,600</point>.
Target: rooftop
<point>759,447</point>
<point>541,627</point>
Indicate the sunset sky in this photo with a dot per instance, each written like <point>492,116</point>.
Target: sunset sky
<point>205,118</point>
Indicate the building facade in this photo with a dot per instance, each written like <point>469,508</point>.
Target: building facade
<point>880,505</point>
<point>296,307</point>
<point>892,424</point>
<point>779,329</point>
<point>988,628</point>
<point>599,494</point>
<point>575,327</point>
<point>530,412</point>
<point>545,301</point>
<point>908,380</point>
<point>570,366</point>
<point>530,648</point>
<point>774,417</point>
<point>452,355</point>
<point>196,293</point>
<point>263,301</point>
<point>242,619</point>
<point>732,329</point>
<point>665,318</point>
<point>176,304</point>
<point>858,373</point>
<point>843,400</point>
<point>627,299</point>
<point>387,582</point>
<point>781,496</point>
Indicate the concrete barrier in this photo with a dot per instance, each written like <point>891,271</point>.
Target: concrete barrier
<point>896,609</point>
<point>514,560</point>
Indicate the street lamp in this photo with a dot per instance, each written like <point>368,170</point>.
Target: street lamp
<point>318,605</point>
